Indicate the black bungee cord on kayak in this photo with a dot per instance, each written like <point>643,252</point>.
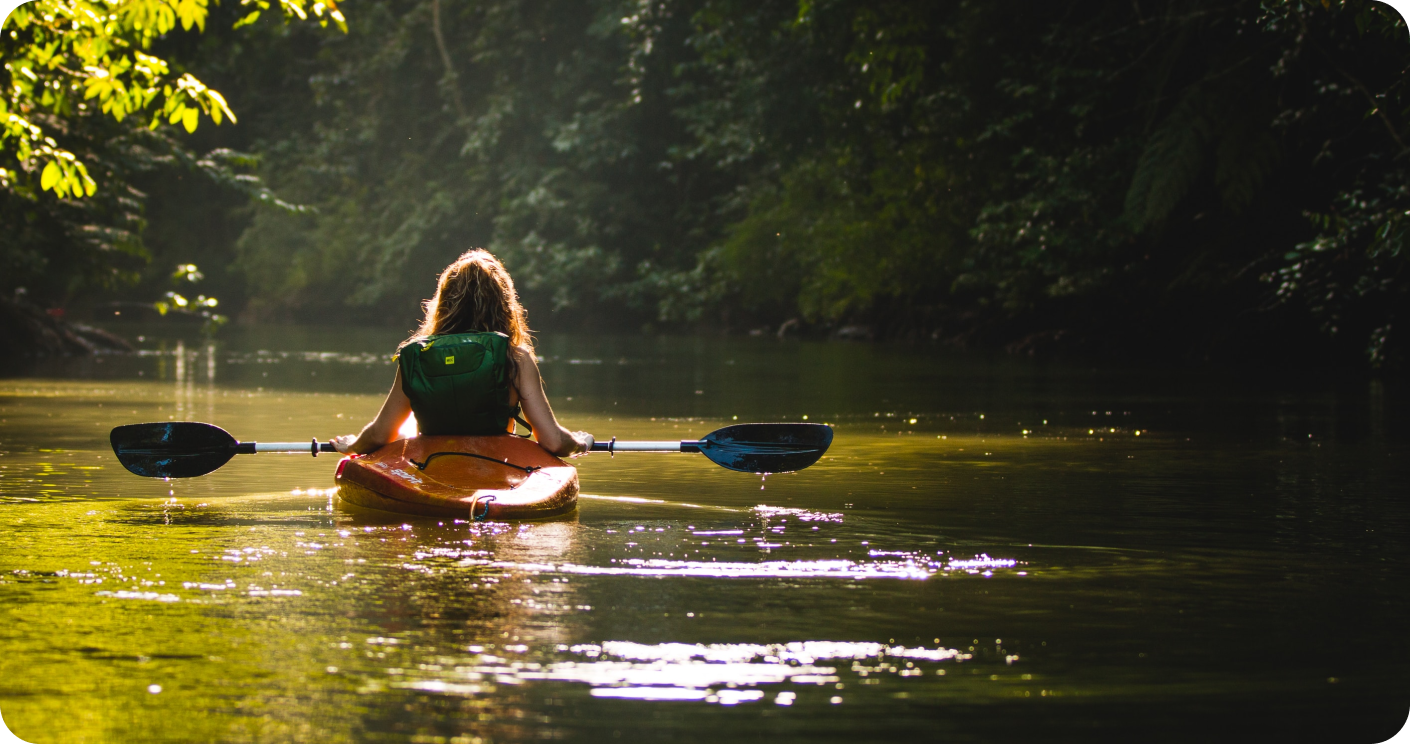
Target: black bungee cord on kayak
<point>422,465</point>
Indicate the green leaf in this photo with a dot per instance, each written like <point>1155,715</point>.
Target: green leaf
<point>219,105</point>
<point>190,119</point>
<point>247,20</point>
<point>50,176</point>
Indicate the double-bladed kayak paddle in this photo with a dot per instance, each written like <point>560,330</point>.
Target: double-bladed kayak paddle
<point>186,449</point>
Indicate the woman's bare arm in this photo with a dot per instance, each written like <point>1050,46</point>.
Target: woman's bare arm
<point>382,429</point>
<point>550,434</point>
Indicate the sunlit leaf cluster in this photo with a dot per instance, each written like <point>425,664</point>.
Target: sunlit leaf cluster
<point>199,306</point>
<point>69,59</point>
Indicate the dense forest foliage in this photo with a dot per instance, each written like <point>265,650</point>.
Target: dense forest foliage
<point>1189,179</point>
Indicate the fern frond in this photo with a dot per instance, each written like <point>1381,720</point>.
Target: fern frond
<point>1171,162</point>
<point>1247,152</point>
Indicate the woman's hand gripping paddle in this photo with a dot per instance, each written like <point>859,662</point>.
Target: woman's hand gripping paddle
<point>186,449</point>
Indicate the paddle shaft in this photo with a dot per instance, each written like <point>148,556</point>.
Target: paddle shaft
<point>292,448</point>
<point>613,446</point>
<point>299,448</point>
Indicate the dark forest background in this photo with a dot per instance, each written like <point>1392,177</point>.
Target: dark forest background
<point>1188,180</point>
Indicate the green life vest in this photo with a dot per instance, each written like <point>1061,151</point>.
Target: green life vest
<point>458,383</point>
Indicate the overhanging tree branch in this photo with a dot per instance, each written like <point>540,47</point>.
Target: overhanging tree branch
<point>451,81</point>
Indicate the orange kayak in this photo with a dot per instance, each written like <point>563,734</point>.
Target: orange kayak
<point>487,478</point>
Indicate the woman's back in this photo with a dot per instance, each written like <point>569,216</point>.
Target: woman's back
<point>459,384</point>
<point>469,367</point>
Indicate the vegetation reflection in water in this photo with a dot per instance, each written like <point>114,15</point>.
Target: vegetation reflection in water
<point>919,567</point>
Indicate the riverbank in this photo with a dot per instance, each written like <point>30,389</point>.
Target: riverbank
<point>28,331</point>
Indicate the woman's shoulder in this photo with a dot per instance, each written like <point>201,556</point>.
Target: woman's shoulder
<point>523,354</point>
<point>401,348</point>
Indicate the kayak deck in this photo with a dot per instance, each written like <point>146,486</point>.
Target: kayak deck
<point>483,478</point>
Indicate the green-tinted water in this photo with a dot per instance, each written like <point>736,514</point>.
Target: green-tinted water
<point>992,551</point>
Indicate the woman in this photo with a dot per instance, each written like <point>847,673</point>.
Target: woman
<point>470,367</point>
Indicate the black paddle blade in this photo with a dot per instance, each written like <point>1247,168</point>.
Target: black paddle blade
<point>767,448</point>
<point>172,449</point>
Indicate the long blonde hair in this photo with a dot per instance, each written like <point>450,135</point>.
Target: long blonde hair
<point>475,293</point>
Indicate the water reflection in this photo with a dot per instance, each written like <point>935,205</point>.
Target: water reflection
<point>710,673</point>
<point>835,569</point>
<point>938,569</point>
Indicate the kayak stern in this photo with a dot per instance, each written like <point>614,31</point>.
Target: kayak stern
<point>498,478</point>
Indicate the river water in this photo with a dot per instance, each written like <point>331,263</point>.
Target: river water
<point>993,550</point>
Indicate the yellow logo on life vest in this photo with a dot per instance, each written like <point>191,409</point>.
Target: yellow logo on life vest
<point>450,360</point>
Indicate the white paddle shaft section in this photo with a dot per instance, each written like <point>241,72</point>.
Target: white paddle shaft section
<point>298,448</point>
<point>647,446</point>
<point>313,447</point>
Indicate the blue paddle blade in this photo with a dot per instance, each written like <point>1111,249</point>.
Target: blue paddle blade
<point>172,449</point>
<point>767,448</point>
